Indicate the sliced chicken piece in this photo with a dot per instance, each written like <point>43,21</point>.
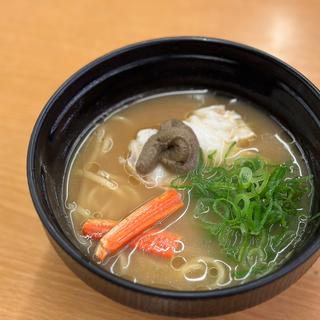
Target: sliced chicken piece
<point>215,127</point>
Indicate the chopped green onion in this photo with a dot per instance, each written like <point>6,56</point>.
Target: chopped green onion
<point>252,203</point>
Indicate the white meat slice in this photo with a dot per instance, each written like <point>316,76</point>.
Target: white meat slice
<point>215,127</point>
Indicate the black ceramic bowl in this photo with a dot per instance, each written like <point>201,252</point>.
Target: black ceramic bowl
<point>165,65</point>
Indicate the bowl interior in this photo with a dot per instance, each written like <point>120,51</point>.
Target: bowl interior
<point>160,66</point>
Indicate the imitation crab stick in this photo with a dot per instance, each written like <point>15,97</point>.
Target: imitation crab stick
<point>159,243</point>
<point>137,222</point>
<point>96,228</point>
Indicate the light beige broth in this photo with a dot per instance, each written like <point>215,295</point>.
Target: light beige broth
<point>89,199</point>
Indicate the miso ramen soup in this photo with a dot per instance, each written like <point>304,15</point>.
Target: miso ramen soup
<point>189,191</point>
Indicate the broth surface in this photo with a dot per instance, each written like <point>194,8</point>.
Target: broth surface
<point>86,198</point>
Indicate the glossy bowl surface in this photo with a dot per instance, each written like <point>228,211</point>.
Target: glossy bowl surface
<point>143,69</point>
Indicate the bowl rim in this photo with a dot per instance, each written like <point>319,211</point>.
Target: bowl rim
<point>70,249</point>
